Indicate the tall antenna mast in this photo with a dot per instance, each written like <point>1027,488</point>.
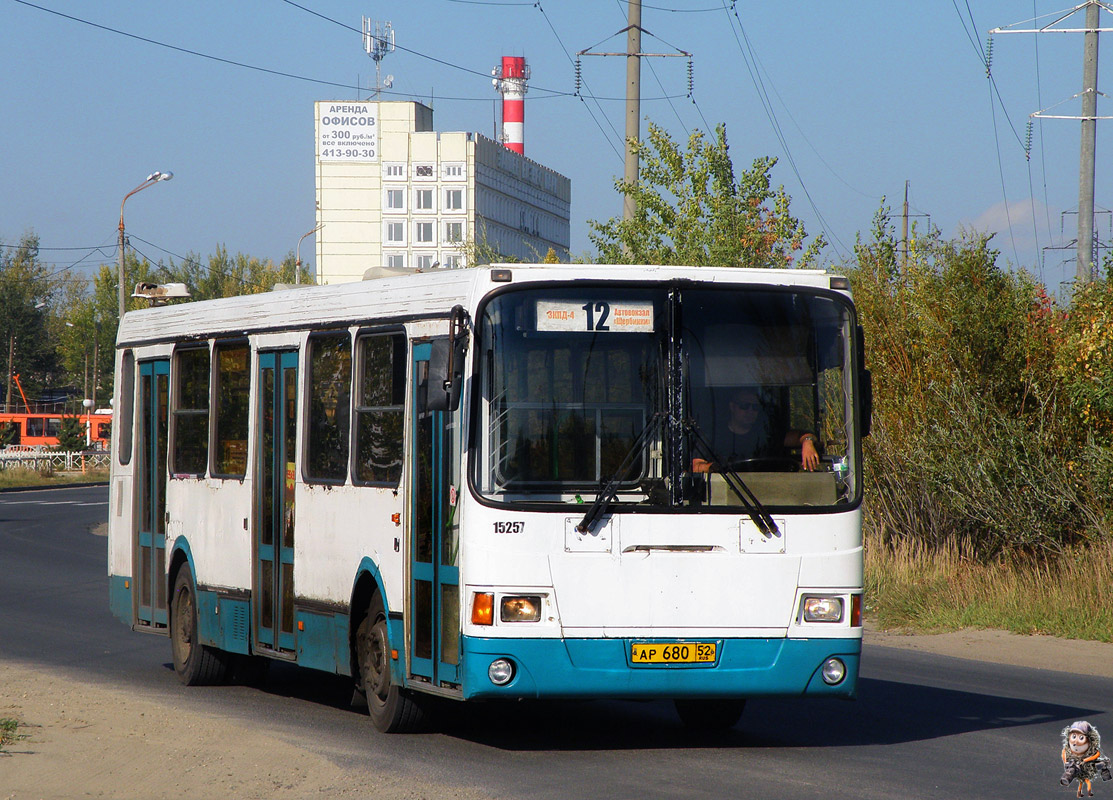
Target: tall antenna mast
<point>378,40</point>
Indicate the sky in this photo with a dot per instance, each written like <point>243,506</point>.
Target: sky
<point>853,98</point>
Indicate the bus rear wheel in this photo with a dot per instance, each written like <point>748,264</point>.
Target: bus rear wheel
<point>195,663</point>
<point>392,708</point>
<point>709,715</point>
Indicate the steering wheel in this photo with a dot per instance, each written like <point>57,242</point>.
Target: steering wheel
<point>765,464</point>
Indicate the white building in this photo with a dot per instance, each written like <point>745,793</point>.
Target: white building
<point>393,192</point>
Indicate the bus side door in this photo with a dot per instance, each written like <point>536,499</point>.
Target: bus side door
<point>433,608</point>
<point>273,593</point>
<point>150,533</point>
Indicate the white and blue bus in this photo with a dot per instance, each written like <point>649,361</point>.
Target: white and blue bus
<point>522,481</point>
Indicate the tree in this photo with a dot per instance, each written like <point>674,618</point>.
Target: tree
<point>691,209</point>
<point>25,293</point>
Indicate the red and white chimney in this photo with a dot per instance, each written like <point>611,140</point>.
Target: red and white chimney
<point>510,81</point>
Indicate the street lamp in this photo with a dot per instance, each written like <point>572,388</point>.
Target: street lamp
<point>152,179</point>
<point>297,260</point>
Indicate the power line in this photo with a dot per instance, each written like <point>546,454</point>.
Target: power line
<point>763,96</point>
<point>568,56</point>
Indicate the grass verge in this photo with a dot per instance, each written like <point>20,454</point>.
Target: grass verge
<point>9,732</point>
<point>937,591</point>
<point>20,478</point>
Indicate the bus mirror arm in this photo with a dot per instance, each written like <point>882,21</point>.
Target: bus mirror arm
<point>446,364</point>
<point>865,389</point>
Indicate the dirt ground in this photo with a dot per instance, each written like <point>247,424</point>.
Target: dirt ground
<point>90,741</point>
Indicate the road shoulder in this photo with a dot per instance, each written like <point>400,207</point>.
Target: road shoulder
<point>1002,647</point>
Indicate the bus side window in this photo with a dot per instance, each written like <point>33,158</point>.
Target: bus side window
<point>330,388</point>
<point>36,426</point>
<point>380,399</point>
<point>190,407</point>
<point>126,397</point>
<point>232,396</point>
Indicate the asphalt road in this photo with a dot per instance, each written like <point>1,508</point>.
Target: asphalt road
<point>923,726</point>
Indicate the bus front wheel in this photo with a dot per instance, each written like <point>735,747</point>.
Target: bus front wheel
<point>392,708</point>
<point>196,664</point>
<point>709,715</point>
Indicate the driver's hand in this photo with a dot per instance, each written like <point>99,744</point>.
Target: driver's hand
<point>809,456</point>
<point>699,465</point>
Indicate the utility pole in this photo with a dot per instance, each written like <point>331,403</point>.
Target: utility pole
<point>1085,244</point>
<point>633,102</point>
<point>904,232</point>
<point>1086,156</point>
<point>633,56</point>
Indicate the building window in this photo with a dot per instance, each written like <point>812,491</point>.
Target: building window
<point>453,172</point>
<point>423,231</point>
<point>380,399</point>
<point>330,386</point>
<point>395,199</point>
<point>394,172</point>
<point>453,199</point>
<point>452,261</point>
<point>424,172</point>
<point>191,412</point>
<point>396,260</point>
<point>423,199</point>
<point>233,390</point>
<point>454,231</point>
<point>396,233</point>
<point>424,260</point>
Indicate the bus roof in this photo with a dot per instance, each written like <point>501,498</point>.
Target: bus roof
<point>397,297</point>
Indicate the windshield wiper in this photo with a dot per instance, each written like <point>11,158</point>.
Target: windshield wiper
<point>762,519</point>
<point>609,490</point>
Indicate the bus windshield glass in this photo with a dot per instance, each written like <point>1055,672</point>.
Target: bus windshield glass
<point>742,382</point>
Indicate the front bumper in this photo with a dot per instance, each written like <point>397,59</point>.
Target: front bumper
<point>597,668</point>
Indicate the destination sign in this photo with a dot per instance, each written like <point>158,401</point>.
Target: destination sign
<point>610,316</point>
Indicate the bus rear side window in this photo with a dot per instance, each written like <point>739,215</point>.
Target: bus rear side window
<point>191,412</point>
<point>127,400</point>
<point>380,400</point>
<point>330,394</point>
<point>233,387</point>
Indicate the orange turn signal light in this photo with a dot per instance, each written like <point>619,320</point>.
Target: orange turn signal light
<point>856,611</point>
<point>483,609</point>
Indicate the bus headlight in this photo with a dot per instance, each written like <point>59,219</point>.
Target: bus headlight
<point>520,608</point>
<point>821,609</point>
<point>833,671</point>
<point>501,671</point>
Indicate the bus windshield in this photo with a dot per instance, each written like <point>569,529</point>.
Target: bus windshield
<point>731,381</point>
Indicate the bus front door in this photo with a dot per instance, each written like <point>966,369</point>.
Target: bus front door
<point>150,534</point>
<point>273,594</point>
<point>433,608</point>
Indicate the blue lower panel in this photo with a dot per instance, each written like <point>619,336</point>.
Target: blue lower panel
<point>119,598</point>
<point>323,642</point>
<point>585,668</point>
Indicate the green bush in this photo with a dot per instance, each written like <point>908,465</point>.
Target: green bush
<point>990,431</point>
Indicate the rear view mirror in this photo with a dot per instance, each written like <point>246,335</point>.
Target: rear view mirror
<point>446,364</point>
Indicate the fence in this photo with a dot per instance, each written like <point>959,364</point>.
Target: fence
<point>44,460</point>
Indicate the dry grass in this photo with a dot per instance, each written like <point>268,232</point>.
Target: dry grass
<point>946,589</point>
<point>20,478</point>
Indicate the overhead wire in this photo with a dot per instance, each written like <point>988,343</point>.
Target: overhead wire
<point>994,92</point>
<point>763,95</point>
<point>1043,155</point>
<point>568,56</point>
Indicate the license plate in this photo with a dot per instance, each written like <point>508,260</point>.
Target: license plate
<point>672,652</point>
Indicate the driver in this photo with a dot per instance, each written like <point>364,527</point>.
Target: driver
<point>749,434</point>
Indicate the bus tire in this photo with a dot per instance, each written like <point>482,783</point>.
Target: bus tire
<point>709,715</point>
<point>196,664</point>
<point>392,708</point>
